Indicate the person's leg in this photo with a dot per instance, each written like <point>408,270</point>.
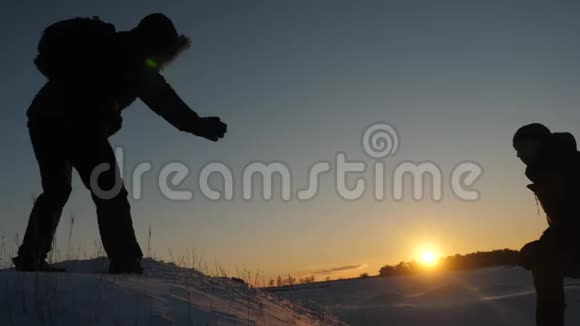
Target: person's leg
<point>55,171</point>
<point>550,303</point>
<point>95,161</point>
<point>542,259</point>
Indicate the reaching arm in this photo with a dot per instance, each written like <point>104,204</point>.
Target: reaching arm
<point>158,95</point>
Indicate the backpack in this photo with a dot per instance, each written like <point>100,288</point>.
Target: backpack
<point>75,49</point>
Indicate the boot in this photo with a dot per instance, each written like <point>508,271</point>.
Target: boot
<point>125,266</point>
<point>22,264</point>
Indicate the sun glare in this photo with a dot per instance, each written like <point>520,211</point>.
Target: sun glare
<point>429,258</point>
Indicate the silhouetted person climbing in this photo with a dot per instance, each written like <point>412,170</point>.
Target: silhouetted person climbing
<point>95,72</point>
<point>553,166</point>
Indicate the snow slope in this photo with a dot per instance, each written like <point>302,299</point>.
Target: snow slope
<point>495,296</point>
<point>165,295</point>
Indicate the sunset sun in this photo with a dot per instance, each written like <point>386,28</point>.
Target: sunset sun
<point>429,258</point>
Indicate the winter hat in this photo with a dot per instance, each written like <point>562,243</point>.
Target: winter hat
<point>532,131</point>
<point>158,32</point>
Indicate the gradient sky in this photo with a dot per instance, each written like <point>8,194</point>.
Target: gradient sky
<point>297,82</point>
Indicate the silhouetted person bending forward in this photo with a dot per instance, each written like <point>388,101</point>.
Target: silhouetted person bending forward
<point>94,73</point>
<point>553,166</point>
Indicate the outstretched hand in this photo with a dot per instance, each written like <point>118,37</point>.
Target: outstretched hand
<point>211,128</point>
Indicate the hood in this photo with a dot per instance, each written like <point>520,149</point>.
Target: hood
<point>558,149</point>
<point>561,143</point>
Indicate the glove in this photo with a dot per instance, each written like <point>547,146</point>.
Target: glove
<point>528,256</point>
<point>211,128</point>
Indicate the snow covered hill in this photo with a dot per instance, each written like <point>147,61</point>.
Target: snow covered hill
<point>165,295</point>
<point>171,295</point>
<point>495,296</point>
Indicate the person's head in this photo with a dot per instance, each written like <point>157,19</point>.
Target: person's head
<point>529,139</point>
<point>159,39</point>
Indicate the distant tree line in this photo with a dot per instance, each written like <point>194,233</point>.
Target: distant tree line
<point>291,281</point>
<point>505,257</point>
